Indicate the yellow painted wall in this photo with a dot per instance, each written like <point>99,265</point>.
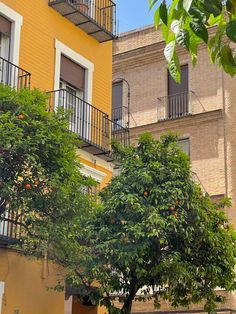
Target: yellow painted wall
<point>25,289</point>
<point>41,26</point>
<point>78,308</point>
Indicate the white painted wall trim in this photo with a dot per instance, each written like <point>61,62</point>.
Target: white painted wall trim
<point>91,172</point>
<point>77,58</point>
<point>2,289</point>
<point>17,21</point>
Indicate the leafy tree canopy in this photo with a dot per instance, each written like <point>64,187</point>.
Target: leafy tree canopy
<point>153,228</point>
<point>156,234</point>
<point>41,187</point>
<point>186,23</point>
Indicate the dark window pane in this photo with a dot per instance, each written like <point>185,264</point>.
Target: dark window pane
<point>184,144</point>
<point>178,96</point>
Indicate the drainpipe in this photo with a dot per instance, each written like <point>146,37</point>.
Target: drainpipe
<point>224,135</point>
<point>2,286</point>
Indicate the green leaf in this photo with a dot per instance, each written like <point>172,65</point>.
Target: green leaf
<point>231,30</point>
<point>214,20</point>
<point>175,27</point>
<point>183,39</point>
<point>174,68</point>
<point>193,46</point>
<point>199,29</point>
<point>227,60</point>
<point>197,14</point>
<point>231,6</point>
<point>163,13</point>
<point>157,18</point>
<point>172,9</point>
<point>165,32</point>
<point>169,51</point>
<point>214,53</point>
<point>187,4</point>
<point>152,3</point>
<point>214,6</point>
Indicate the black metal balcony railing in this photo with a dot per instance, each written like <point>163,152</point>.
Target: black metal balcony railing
<point>10,227</point>
<point>175,106</point>
<point>14,76</point>
<point>96,17</point>
<point>120,115</point>
<point>92,125</point>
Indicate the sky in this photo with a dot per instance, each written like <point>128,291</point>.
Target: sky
<point>133,14</point>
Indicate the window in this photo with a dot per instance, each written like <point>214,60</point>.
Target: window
<point>73,74</point>
<point>5,68</point>
<point>75,58</point>
<point>117,104</point>
<point>184,144</point>
<point>72,82</point>
<point>178,96</point>
<point>11,22</point>
<point>5,34</point>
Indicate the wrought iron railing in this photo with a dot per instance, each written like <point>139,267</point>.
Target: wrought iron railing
<point>120,115</point>
<point>100,12</point>
<point>14,76</point>
<point>10,226</point>
<point>92,125</point>
<point>175,106</point>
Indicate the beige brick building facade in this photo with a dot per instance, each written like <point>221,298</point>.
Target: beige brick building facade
<point>209,123</point>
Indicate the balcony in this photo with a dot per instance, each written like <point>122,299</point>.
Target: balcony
<point>120,115</point>
<point>177,106</point>
<point>95,17</point>
<point>14,76</point>
<point>10,227</point>
<point>93,126</point>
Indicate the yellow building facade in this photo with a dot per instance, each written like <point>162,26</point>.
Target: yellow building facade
<point>66,46</point>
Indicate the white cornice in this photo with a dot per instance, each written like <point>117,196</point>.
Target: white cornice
<point>92,172</point>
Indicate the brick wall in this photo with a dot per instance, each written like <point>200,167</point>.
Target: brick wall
<point>138,57</point>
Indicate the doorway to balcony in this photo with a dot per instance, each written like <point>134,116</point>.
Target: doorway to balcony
<point>72,97</point>
<point>178,95</point>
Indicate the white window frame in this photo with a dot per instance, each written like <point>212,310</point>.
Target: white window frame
<point>62,49</point>
<point>17,20</point>
<point>91,172</point>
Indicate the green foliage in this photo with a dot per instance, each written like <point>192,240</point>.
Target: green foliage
<point>40,180</point>
<point>156,229</point>
<point>154,226</point>
<point>187,24</point>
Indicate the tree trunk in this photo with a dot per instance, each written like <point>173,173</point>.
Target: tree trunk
<point>127,307</point>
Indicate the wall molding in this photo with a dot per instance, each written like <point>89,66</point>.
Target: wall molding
<point>17,21</point>
<point>79,59</point>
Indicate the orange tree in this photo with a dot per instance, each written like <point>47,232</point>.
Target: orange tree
<point>157,236</point>
<point>41,187</point>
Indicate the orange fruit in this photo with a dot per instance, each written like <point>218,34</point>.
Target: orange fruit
<point>172,208</point>
<point>145,193</point>
<point>28,186</point>
<point>36,183</point>
<point>21,116</point>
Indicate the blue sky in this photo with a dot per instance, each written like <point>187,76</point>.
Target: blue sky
<point>133,14</point>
